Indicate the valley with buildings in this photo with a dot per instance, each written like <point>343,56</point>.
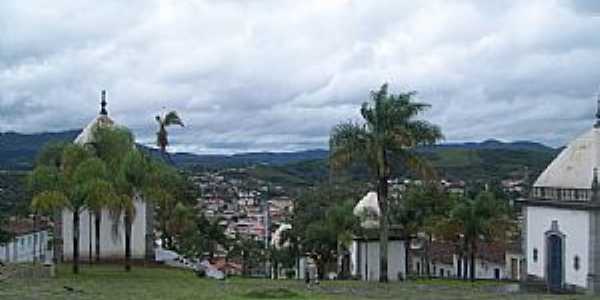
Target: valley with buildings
<point>326,149</point>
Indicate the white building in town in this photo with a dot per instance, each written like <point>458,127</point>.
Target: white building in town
<point>28,243</point>
<point>364,251</point>
<point>562,218</point>
<point>112,233</point>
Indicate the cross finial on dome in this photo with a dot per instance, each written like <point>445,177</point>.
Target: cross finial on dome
<point>103,104</point>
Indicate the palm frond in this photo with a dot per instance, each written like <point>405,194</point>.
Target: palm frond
<point>98,193</point>
<point>49,201</point>
<point>347,144</point>
<point>418,165</point>
<point>45,178</point>
<point>90,169</point>
<point>73,156</point>
<point>172,118</point>
<point>51,154</point>
<point>424,133</point>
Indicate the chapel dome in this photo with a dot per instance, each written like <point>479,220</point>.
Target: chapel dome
<point>574,167</point>
<point>102,120</point>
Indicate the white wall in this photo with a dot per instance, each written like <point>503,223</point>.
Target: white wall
<point>21,248</point>
<point>112,243</point>
<point>575,225</point>
<point>449,269</point>
<point>484,269</point>
<point>369,255</point>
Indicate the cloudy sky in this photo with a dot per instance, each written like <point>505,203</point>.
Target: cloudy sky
<point>277,75</point>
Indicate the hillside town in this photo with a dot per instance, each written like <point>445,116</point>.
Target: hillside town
<point>335,149</point>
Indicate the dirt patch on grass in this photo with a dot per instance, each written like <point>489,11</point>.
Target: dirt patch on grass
<point>273,293</point>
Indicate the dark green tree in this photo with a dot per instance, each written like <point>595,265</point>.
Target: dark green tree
<point>484,218</point>
<point>323,223</point>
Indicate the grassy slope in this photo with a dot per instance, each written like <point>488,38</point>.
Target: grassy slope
<point>110,282</point>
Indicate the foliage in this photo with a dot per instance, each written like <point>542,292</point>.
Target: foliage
<point>249,252</point>
<point>201,237</point>
<point>172,196</point>
<point>4,235</point>
<point>323,222</point>
<point>484,218</point>
<point>14,196</point>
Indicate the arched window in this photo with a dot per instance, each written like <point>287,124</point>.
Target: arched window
<point>576,263</point>
<point>535,254</point>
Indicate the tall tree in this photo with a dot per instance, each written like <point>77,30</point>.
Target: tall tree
<point>130,183</point>
<point>164,121</point>
<point>389,132</point>
<point>419,210</point>
<point>47,163</point>
<point>110,145</point>
<point>171,195</point>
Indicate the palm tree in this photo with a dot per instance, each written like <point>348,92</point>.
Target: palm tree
<point>48,161</point>
<point>113,145</point>
<point>99,192</point>
<point>171,118</point>
<point>130,184</point>
<point>477,219</point>
<point>390,132</point>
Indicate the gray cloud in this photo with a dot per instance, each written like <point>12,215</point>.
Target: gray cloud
<point>275,75</point>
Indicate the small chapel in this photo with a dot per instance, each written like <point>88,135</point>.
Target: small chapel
<point>112,234</point>
<point>561,227</point>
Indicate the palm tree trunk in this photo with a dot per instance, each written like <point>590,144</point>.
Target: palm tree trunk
<point>35,238</point>
<point>473,250</point>
<point>98,219</point>
<point>90,237</point>
<point>427,266</point>
<point>406,257</point>
<point>57,236</point>
<point>465,258</point>
<point>127,241</point>
<point>75,241</point>
<point>275,269</point>
<point>384,230</point>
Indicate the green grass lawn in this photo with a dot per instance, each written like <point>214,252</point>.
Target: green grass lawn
<point>111,282</point>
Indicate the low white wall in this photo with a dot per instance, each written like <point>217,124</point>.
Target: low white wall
<point>368,257</point>
<point>21,248</point>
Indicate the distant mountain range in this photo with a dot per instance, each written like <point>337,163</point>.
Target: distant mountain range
<point>496,144</point>
<point>461,160</point>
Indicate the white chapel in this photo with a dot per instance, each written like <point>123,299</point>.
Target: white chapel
<point>112,234</point>
<point>562,218</point>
